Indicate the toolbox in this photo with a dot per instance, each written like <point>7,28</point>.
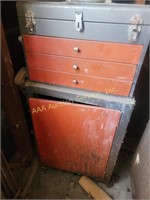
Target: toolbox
<point>83,60</point>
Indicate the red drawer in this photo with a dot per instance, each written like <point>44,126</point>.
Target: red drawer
<point>116,52</point>
<point>87,67</point>
<point>83,82</point>
<point>79,142</point>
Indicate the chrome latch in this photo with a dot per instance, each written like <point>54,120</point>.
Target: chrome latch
<point>30,21</point>
<point>135,27</point>
<point>79,21</point>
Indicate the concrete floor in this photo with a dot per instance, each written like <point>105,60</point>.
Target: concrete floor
<point>56,184</point>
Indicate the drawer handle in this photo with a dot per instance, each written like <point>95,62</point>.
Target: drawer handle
<point>75,67</point>
<point>76,49</point>
<point>75,81</point>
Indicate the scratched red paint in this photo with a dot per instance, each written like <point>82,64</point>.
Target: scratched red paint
<point>83,82</point>
<point>74,137</point>
<point>101,65</point>
<point>108,51</point>
<point>87,67</point>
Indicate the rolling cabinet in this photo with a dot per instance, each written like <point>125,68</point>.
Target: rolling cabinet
<point>84,59</point>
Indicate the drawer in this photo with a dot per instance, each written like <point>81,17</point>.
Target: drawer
<point>108,86</point>
<point>87,67</point>
<point>79,142</point>
<point>115,52</point>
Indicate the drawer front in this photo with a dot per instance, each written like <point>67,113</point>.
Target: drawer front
<point>82,82</point>
<point>116,52</point>
<point>102,69</point>
<point>79,142</point>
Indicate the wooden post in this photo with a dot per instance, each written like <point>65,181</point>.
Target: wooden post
<point>12,104</point>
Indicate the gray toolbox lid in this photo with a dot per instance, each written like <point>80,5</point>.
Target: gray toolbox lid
<point>88,21</point>
<point>92,12</point>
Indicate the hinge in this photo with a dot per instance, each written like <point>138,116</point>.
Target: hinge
<point>79,21</point>
<point>135,28</point>
<point>30,21</point>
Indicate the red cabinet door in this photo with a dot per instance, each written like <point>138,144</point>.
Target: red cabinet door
<point>74,137</point>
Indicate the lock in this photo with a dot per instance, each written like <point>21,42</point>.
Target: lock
<point>30,21</point>
<point>135,28</point>
<point>79,21</point>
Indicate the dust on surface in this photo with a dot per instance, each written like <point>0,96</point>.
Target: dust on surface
<point>51,183</point>
<point>56,184</point>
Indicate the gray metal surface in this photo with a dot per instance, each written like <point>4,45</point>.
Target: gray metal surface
<point>92,98</point>
<point>139,66</point>
<point>118,140</point>
<point>92,12</point>
<point>102,22</point>
<point>92,31</point>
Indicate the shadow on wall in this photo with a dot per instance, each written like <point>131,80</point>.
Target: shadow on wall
<point>141,163</point>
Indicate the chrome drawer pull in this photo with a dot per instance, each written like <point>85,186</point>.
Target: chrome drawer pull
<point>76,49</point>
<point>75,81</point>
<point>75,67</point>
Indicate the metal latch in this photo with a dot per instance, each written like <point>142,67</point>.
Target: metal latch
<point>135,28</point>
<point>79,21</point>
<point>30,21</point>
